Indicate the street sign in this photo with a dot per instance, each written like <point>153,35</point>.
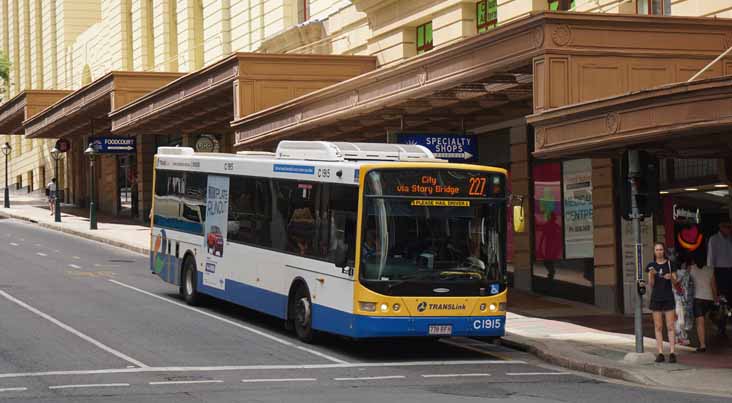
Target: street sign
<point>114,145</point>
<point>63,145</point>
<point>452,147</point>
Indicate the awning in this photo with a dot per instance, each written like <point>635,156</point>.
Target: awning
<point>24,106</point>
<point>537,63</point>
<point>85,111</point>
<point>208,100</point>
<point>682,120</point>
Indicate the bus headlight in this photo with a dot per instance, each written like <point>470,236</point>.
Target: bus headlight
<point>482,307</point>
<point>384,307</point>
<point>492,307</point>
<point>367,306</point>
<point>396,307</point>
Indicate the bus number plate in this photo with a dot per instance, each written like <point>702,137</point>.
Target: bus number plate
<point>440,330</point>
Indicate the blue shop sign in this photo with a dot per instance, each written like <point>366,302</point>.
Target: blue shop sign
<point>452,147</point>
<point>114,145</point>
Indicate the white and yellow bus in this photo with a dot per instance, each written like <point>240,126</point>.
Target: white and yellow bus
<point>356,239</point>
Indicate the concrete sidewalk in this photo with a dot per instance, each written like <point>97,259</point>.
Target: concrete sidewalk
<point>589,348</point>
<point>572,335</point>
<point>120,233</point>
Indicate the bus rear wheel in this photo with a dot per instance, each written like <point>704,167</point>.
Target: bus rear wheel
<point>302,318</point>
<point>189,283</point>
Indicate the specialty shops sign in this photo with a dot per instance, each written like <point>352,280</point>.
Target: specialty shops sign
<point>452,147</point>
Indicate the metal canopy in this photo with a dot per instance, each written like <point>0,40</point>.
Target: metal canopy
<point>25,105</point>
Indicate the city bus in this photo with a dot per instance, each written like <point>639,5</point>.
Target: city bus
<point>362,240</point>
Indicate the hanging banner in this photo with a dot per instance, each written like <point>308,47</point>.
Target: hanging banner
<point>217,215</point>
<point>578,229</point>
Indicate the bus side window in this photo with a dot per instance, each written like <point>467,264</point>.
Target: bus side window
<point>249,211</point>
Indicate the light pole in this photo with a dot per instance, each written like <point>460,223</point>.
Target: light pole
<point>92,153</point>
<point>6,152</point>
<point>56,155</point>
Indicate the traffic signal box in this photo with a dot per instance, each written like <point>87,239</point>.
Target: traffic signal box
<point>648,197</point>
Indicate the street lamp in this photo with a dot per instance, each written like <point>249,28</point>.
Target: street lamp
<point>56,155</point>
<point>6,151</point>
<point>92,154</point>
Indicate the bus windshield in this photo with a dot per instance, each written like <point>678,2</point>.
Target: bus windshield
<point>413,240</point>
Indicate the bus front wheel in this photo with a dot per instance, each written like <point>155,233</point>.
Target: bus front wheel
<point>303,315</point>
<point>189,286</point>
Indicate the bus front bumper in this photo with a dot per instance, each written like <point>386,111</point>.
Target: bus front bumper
<point>427,326</point>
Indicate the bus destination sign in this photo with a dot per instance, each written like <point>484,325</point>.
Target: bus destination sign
<point>439,183</point>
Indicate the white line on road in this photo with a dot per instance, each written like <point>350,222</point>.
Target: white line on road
<point>41,254</point>
<point>13,389</point>
<point>13,244</point>
<point>371,378</point>
<point>76,257</point>
<point>536,373</point>
<point>259,368</point>
<point>453,375</point>
<point>185,382</point>
<point>93,385</point>
<point>231,322</point>
<point>279,380</point>
<point>73,266</point>
<point>72,330</point>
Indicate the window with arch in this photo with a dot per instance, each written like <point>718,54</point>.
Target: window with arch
<point>424,38</point>
<point>654,7</point>
<point>486,15</point>
<point>561,5</point>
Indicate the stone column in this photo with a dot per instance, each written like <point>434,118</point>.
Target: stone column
<point>145,156</point>
<point>520,185</point>
<point>605,239</point>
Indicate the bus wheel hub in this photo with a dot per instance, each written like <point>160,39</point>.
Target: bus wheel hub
<point>302,312</point>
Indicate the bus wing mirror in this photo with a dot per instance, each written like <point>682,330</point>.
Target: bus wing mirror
<point>341,256</point>
<point>519,219</point>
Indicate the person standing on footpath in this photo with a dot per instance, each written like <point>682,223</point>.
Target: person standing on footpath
<point>52,190</point>
<point>661,276</point>
<point>705,293</point>
<point>719,258</point>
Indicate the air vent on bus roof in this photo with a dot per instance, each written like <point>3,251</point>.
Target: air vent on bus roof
<point>255,153</point>
<point>383,151</point>
<point>308,150</point>
<point>339,151</point>
<point>175,151</point>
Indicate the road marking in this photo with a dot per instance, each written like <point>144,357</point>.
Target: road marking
<point>536,373</point>
<point>370,378</point>
<point>259,368</point>
<point>452,375</point>
<point>279,380</point>
<point>72,330</point>
<point>13,244</point>
<point>473,347</point>
<point>185,382</point>
<point>76,257</point>
<point>239,325</point>
<point>93,385</point>
<point>41,254</point>
<point>73,266</point>
<point>13,389</point>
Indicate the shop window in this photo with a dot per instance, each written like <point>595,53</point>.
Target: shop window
<point>424,38</point>
<point>18,182</point>
<point>654,7</point>
<point>303,10</point>
<point>561,5</point>
<point>30,181</point>
<point>486,15</point>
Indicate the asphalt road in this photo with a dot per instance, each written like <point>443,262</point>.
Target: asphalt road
<point>83,322</point>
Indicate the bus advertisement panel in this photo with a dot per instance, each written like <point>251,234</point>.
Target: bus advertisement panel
<point>217,212</point>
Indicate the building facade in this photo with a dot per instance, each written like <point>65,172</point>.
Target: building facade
<point>182,50</point>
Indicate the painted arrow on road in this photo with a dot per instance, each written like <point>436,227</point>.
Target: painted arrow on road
<point>465,155</point>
